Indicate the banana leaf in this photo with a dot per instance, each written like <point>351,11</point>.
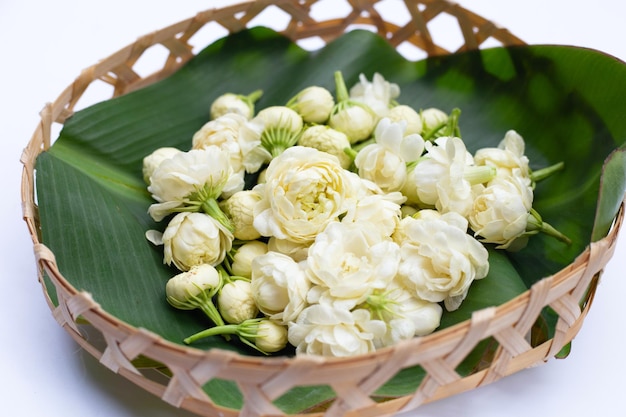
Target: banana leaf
<point>567,103</point>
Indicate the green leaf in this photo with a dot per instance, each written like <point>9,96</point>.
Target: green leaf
<point>566,102</point>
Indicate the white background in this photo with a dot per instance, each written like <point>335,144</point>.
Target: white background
<point>45,45</point>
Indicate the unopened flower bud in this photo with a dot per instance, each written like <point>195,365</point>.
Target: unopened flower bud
<point>313,103</point>
<point>195,238</point>
<point>271,336</point>
<point>195,289</point>
<point>235,103</point>
<point>414,123</point>
<point>152,161</point>
<point>433,120</point>
<point>281,128</point>
<point>239,208</point>
<point>356,121</point>
<point>235,302</point>
<point>328,140</point>
<point>245,254</point>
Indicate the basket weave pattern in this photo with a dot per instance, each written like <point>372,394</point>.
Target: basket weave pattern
<point>262,380</point>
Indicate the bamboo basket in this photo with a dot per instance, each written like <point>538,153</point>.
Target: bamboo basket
<point>261,380</point>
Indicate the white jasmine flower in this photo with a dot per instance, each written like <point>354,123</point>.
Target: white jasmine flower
<point>413,120</point>
<point>439,260</point>
<point>508,156</point>
<point>383,210</point>
<point>329,140</point>
<point>254,155</point>
<point>500,213</point>
<point>152,161</point>
<point>193,181</point>
<point>239,207</point>
<point>241,263</point>
<point>364,188</point>
<point>262,334</point>
<point>348,261</point>
<point>503,213</point>
<point>222,132</point>
<point>305,190</point>
<point>405,314</point>
<point>298,251</point>
<point>384,162</point>
<point>279,286</point>
<point>333,331</point>
<point>446,177</point>
<point>194,289</point>
<point>356,119</point>
<point>235,103</point>
<point>399,236</point>
<point>192,239</point>
<point>236,303</point>
<point>313,103</point>
<point>448,156</point>
<point>379,94</point>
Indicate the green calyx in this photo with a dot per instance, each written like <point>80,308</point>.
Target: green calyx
<point>278,138</point>
<point>536,225</point>
<point>379,304</point>
<point>202,300</point>
<point>205,200</point>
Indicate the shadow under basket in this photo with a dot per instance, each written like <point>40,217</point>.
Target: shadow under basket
<point>178,373</point>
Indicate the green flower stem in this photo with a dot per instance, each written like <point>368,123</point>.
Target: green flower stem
<point>221,330</point>
<point>292,103</point>
<point>449,127</point>
<point>363,144</point>
<point>350,152</point>
<point>246,331</point>
<point>211,312</point>
<point>253,96</point>
<point>227,278</point>
<point>212,208</point>
<point>411,165</point>
<point>536,224</point>
<point>341,90</point>
<point>430,135</point>
<point>453,123</point>
<point>544,173</point>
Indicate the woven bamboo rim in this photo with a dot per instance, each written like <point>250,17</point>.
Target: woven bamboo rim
<point>261,380</point>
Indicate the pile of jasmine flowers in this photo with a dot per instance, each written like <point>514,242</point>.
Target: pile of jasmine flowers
<point>367,218</point>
